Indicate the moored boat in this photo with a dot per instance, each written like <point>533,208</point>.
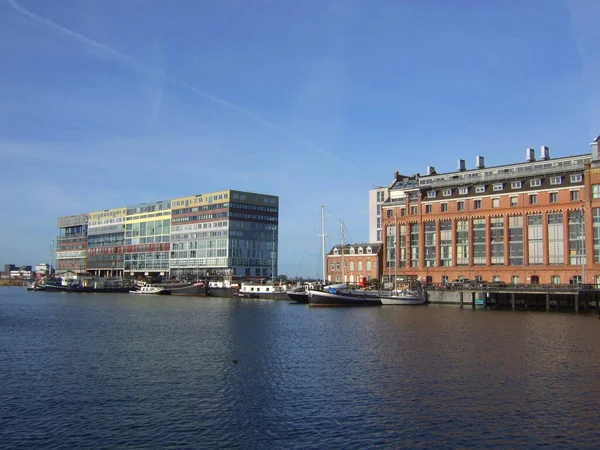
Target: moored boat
<point>222,288</point>
<point>340,295</point>
<point>299,295</point>
<point>35,286</point>
<point>264,291</point>
<point>149,289</point>
<point>405,297</point>
<point>197,289</point>
<point>74,286</point>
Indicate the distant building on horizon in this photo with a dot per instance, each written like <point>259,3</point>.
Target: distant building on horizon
<point>377,197</point>
<point>224,233</point>
<point>8,268</point>
<point>42,269</point>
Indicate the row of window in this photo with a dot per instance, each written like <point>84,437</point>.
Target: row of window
<point>360,251</point>
<point>532,199</point>
<point>556,180</point>
<point>563,165</point>
<point>177,212</point>
<point>130,213</point>
<point>198,199</point>
<point>98,216</point>
<point>514,279</point>
<point>101,222</point>
<point>336,265</point>
<point>200,217</point>
<point>491,244</point>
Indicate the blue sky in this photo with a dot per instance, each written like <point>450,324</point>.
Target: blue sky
<point>107,103</point>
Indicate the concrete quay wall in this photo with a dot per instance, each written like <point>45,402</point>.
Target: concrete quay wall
<point>509,299</point>
<point>445,297</point>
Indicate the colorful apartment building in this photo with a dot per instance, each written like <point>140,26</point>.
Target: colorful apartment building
<point>531,222</point>
<point>225,233</point>
<point>71,243</point>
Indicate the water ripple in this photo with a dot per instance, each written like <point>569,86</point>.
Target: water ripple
<point>114,371</point>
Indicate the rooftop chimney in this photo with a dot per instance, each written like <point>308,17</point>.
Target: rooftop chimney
<point>430,170</point>
<point>530,155</point>
<point>461,165</point>
<point>396,175</point>
<point>545,153</point>
<point>479,164</point>
<point>596,149</point>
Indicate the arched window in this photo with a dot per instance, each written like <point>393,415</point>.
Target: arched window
<point>351,265</point>
<point>360,265</point>
<point>368,265</point>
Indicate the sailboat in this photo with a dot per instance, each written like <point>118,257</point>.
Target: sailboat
<point>408,296</point>
<point>340,294</point>
<point>300,295</point>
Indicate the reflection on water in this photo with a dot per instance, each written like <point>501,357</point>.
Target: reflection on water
<point>118,370</point>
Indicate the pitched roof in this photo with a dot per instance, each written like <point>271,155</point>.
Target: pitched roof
<point>405,184</point>
<point>375,248</point>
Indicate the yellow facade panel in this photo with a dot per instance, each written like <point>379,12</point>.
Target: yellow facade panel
<point>210,198</point>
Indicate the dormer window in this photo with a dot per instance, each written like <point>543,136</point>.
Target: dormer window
<point>352,250</point>
<point>336,251</point>
<point>516,185</point>
<point>535,183</point>
<point>463,190</point>
<point>360,250</point>
<point>555,180</point>
<point>369,250</point>
<point>447,192</point>
<point>479,189</point>
<point>431,194</point>
<point>576,178</point>
<point>498,187</point>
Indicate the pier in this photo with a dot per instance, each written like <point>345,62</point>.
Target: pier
<point>525,297</point>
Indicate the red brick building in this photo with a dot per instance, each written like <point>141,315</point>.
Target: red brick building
<point>531,222</point>
<point>359,261</point>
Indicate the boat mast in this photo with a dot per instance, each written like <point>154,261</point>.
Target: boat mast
<point>51,259</point>
<point>323,235</point>
<point>273,259</point>
<point>342,249</point>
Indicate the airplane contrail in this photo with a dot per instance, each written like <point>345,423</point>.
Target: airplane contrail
<point>133,62</point>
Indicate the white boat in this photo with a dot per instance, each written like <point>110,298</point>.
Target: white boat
<point>148,289</point>
<point>266,291</point>
<point>404,297</point>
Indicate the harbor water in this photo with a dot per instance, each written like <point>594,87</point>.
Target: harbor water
<point>117,371</point>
